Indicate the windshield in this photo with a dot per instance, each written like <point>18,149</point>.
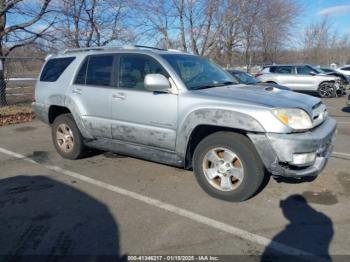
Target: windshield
<point>198,72</point>
<point>245,78</point>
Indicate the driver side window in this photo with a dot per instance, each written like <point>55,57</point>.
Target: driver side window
<point>133,69</point>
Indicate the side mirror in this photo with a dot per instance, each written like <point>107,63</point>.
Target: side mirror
<point>312,73</point>
<point>156,83</point>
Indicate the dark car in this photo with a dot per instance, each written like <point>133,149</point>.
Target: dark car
<point>247,79</point>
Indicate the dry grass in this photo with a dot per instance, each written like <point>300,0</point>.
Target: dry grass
<point>16,114</point>
<point>15,109</point>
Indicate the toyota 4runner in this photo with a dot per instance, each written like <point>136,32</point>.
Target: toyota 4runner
<point>182,110</point>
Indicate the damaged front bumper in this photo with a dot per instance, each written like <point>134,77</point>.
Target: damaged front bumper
<point>277,150</point>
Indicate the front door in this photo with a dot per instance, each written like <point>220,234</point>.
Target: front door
<point>304,79</point>
<point>140,116</point>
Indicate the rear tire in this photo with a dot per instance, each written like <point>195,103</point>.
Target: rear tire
<point>67,138</point>
<point>225,158</point>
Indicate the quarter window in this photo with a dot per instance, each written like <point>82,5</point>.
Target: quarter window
<point>272,69</point>
<point>54,68</point>
<point>99,70</point>
<point>134,68</point>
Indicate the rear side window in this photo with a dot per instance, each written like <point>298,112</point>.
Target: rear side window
<point>54,68</point>
<point>99,70</point>
<point>284,70</point>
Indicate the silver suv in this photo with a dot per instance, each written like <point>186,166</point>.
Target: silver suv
<point>182,110</point>
<point>301,77</point>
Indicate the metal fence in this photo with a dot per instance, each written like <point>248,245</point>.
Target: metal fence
<point>17,79</point>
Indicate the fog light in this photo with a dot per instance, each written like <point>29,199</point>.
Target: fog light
<point>303,159</point>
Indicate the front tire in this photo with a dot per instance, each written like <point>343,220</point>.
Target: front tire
<point>227,166</point>
<point>67,138</point>
<point>326,90</point>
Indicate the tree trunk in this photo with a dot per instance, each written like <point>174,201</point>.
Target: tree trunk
<point>3,101</point>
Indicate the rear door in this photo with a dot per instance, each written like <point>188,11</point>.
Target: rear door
<point>92,91</point>
<point>141,116</point>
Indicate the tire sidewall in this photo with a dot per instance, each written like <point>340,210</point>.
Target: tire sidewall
<point>78,141</point>
<point>252,166</point>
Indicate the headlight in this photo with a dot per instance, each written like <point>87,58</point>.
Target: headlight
<point>297,119</point>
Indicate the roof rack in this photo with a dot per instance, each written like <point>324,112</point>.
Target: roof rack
<point>97,48</point>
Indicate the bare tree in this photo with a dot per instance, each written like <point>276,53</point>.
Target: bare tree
<point>180,8</point>
<point>86,23</point>
<point>20,32</point>
<point>203,25</point>
<point>277,18</point>
<point>155,21</point>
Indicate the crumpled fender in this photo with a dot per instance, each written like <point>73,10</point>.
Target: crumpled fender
<point>213,117</point>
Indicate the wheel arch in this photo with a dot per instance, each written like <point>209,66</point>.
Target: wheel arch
<point>55,111</point>
<point>271,82</point>
<point>67,105</point>
<point>202,122</point>
<point>199,133</point>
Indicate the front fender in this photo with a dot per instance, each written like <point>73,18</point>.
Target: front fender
<point>213,117</point>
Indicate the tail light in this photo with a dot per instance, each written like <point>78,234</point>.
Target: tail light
<point>258,74</point>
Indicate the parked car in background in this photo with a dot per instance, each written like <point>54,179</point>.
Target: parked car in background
<point>301,77</point>
<point>247,79</point>
<point>344,70</point>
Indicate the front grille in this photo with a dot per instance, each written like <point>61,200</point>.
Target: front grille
<point>319,114</point>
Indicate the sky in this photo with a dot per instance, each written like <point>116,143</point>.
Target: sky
<point>338,11</point>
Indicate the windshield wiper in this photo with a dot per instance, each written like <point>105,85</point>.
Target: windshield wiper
<point>213,85</point>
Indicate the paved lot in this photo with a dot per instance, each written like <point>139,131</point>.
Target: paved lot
<point>114,205</point>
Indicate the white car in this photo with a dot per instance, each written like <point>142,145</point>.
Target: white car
<point>301,77</point>
<point>344,70</point>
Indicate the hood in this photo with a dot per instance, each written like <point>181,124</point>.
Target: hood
<point>263,84</point>
<point>328,76</point>
<point>340,75</point>
<point>264,96</point>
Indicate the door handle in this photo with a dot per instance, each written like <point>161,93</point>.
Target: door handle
<point>76,91</point>
<point>120,96</point>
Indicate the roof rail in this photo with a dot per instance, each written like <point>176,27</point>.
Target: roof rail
<point>175,50</point>
<point>96,48</point>
<point>84,49</point>
<point>150,47</point>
